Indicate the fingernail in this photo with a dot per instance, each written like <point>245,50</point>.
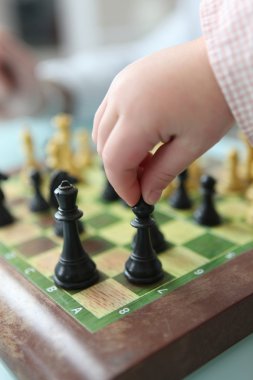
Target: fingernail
<point>153,196</point>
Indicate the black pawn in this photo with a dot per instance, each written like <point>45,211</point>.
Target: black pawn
<point>206,214</point>
<point>5,216</point>
<point>158,240</point>
<point>75,269</point>
<point>37,203</point>
<point>180,199</point>
<point>143,266</point>
<point>55,180</point>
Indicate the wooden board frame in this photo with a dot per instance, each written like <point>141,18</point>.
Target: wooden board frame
<point>168,338</point>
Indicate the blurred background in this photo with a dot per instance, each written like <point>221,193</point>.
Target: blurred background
<point>66,27</point>
<point>83,44</point>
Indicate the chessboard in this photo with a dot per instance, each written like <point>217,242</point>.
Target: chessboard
<point>115,329</point>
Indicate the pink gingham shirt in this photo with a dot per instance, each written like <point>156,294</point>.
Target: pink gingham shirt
<point>227,27</point>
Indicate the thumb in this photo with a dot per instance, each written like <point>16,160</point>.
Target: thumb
<point>167,162</point>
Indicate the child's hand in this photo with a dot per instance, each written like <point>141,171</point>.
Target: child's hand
<point>170,97</point>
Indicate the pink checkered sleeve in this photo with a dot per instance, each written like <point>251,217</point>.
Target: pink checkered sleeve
<point>227,27</point>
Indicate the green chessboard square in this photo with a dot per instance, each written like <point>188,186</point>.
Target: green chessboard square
<point>102,220</point>
<point>209,245</point>
<point>141,290</point>
<point>161,218</point>
<point>3,249</point>
<point>244,248</point>
<point>129,246</point>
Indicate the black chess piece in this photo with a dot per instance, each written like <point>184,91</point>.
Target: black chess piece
<point>37,202</point>
<point>180,198</point>
<point>158,240</point>
<point>6,217</point>
<point>143,266</point>
<point>206,214</point>
<point>55,180</point>
<point>75,269</point>
<point>109,194</point>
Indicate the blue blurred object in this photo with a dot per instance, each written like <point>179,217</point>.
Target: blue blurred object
<point>11,153</point>
<point>5,373</point>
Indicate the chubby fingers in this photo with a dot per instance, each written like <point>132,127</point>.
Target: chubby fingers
<point>123,147</point>
<point>98,116</point>
<point>123,152</point>
<point>167,162</point>
<point>107,123</point>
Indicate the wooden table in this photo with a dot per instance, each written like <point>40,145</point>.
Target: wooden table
<point>168,338</point>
